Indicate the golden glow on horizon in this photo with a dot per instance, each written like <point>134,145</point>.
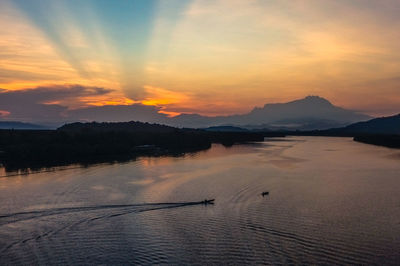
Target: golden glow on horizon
<point>169,114</point>
<point>160,96</point>
<point>98,101</point>
<point>220,57</point>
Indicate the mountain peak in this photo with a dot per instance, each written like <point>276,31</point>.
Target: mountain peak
<point>314,99</point>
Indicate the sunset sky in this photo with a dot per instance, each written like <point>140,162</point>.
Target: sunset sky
<point>209,57</point>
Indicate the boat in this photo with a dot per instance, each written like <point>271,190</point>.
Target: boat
<point>206,201</point>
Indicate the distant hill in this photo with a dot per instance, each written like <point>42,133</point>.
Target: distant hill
<point>226,129</point>
<point>385,125</point>
<point>19,125</point>
<point>378,126</point>
<point>384,131</point>
<point>309,113</point>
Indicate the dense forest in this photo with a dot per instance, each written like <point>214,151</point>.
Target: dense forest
<point>87,143</point>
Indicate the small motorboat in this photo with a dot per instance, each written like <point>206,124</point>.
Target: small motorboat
<point>265,193</point>
<point>206,201</point>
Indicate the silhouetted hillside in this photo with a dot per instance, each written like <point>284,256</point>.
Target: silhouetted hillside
<point>378,126</point>
<point>131,126</point>
<point>384,125</point>
<point>384,131</point>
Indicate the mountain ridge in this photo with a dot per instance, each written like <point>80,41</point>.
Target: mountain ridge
<point>309,113</point>
<point>299,113</point>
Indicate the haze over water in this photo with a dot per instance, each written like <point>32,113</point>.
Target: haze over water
<point>331,200</point>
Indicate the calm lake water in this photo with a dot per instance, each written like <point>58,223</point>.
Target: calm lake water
<point>331,201</point>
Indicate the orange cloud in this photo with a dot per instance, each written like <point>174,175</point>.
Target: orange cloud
<point>4,113</point>
<point>169,114</point>
<point>160,96</point>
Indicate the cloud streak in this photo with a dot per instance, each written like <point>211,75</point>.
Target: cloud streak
<point>66,103</point>
<point>44,103</point>
<point>209,57</point>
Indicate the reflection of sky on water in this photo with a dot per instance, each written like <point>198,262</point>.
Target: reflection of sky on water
<point>331,200</point>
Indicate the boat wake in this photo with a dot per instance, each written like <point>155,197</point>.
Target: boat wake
<point>91,214</point>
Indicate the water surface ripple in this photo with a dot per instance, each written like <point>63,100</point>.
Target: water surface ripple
<point>331,201</point>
